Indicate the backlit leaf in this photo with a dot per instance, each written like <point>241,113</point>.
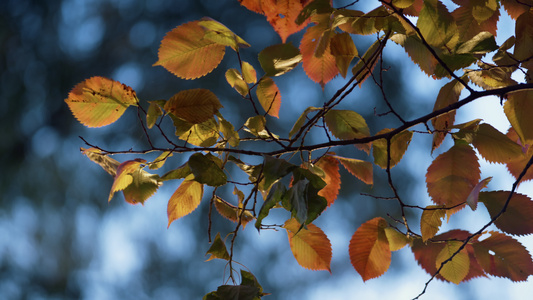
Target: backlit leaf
<point>248,73</point>
<point>274,169</point>
<point>515,8</point>
<point>452,175</point>
<point>185,199</point>
<point>219,33</point>
<point>517,218</point>
<point>154,112</point>
<point>319,69</point>
<point>206,171</point>
<point>160,160</point>
<point>279,59</point>
<point>204,134</point>
<point>448,95</point>
<point>363,68</point>
<point>232,212</point>
<point>330,166</point>
<point>431,221</point>
<point>369,249</point>
<point>519,108</point>
<point>397,240</point>
<point>495,146</point>
<point>107,163</point>
<point>313,8</point>
<point>310,246</point>
<point>361,169</point>
<point>343,48</point>
<point>99,101</point>
<point>144,185</point>
<point>524,39</point>
<point>178,173</point>
<point>516,166</point>
<point>398,146</point>
<point>236,81</point>
<point>473,198</point>
<point>194,106</point>
<point>436,24</point>
<point>282,14</point>
<point>218,249</point>
<point>256,126</point>
<point>187,54</point>
<point>346,124</point>
<point>275,195</point>
<point>456,269</point>
<point>229,133</point>
<point>301,120</point>
<point>269,96</point>
<point>501,255</point>
<point>124,178</point>
<point>467,26</point>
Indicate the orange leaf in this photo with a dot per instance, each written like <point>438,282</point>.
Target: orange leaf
<point>516,166</point>
<point>282,14</point>
<point>369,249</point>
<point>232,212</point>
<point>517,218</point>
<point>426,254</point>
<point>448,95</point>
<point>519,108</point>
<point>319,69</point>
<point>187,54</point>
<point>501,255</point>
<point>358,168</point>
<point>253,5</point>
<point>516,7</point>
<point>194,106</point>
<point>99,101</point>
<point>269,96</point>
<point>452,175</point>
<point>431,221</point>
<point>124,177</point>
<point>311,247</point>
<point>332,178</point>
<point>185,199</point>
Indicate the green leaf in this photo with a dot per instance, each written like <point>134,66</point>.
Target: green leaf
<point>346,124</point>
<point>238,292</point>
<point>480,44</point>
<point>279,59</point>
<point>269,96</point>
<point>218,249</point>
<point>154,112</point>
<point>229,133</point>
<point>436,24</point>
<point>301,120</point>
<point>178,173</point>
<point>523,51</point>
<point>275,195</point>
<point>206,171</point>
<point>274,169</point>
<point>249,279</point>
<point>220,34</point>
<point>194,106</point>
<point>344,50</point>
<point>235,80</point>
<point>398,146</point>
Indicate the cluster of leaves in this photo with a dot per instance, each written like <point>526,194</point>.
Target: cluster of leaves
<point>443,44</point>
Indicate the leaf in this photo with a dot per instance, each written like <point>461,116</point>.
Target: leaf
<point>236,81</point>
<point>330,165</point>
<point>187,54</point>
<point>457,268</point>
<point>298,202</point>
<point>275,195</point>
<point>279,59</point>
<point>206,171</point>
<point>219,33</point>
<point>310,246</point>
<point>302,199</point>
<point>178,173</point>
<point>468,27</point>
<point>144,185</point>
<point>232,212</point>
<point>154,112</point>
<point>501,255</point>
<point>363,68</point>
<point>344,50</point>
<point>319,69</point>
<point>160,160</point>
<point>99,101</point>
<point>398,146</point>
<point>185,199</point>
<point>473,198</point>
<point>237,292</point>
<point>515,8</point>
<point>301,120</point>
<point>452,175</point>
<point>436,24</point>
<point>315,7</point>
<point>492,77</point>
<point>431,221</point>
<point>482,43</point>
<point>194,106</point>
<point>519,108</point>
<point>204,134</point>
<point>516,166</point>
<point>397,240</point>
<point>361,169</point>
<point>282,15</point>
<point>524,39</point>
<point>227,129</point>
<point>124,178</point>
<point>448,95</point>
<point>107,163</point>
<point>418,53</point>
<point>346,124</point>
<point>495,146</point>
<point>269,96</point>
<point>369,249</point>
<point>516,219</point>
<point>274,169</point>
<point>248,73</point>
<point>256,126</point>
<point>218,249</point>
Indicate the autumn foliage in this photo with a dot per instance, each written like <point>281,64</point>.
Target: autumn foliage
<point>303,178</point>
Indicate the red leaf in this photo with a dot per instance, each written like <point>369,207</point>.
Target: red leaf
<point>508,259</point>
<point>332,178</point>
<point>99,101</point>
<point>516,7</point>
<point>369,249</point>
<point>187,54</point>
<point>517,218</point>
<point>319,69</point>
<point>310,246</point>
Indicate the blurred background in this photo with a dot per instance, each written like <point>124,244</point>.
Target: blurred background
<point>61,239</point>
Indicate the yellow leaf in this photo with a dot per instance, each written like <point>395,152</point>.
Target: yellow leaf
<point>456,269</point>
<point>99,101</point>
<point>194,106</point>
<point>397,240</point>
<point>185,199</point>
<point>310,246</point>
<point>343,48</point>
<point>519,108</point>
<point>187,54</point>
<point>232,212</point>
<point>431,221</point>
<point>124,175</point>
<point>269,96</point>
<point>248,73</point>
